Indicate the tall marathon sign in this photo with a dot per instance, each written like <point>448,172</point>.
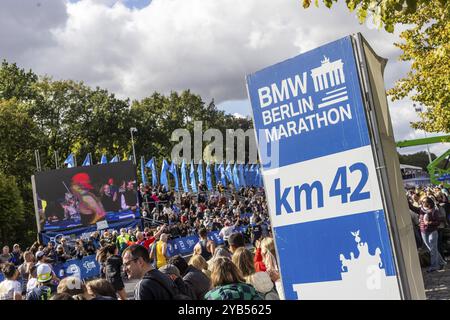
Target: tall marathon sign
<point>327,202</point>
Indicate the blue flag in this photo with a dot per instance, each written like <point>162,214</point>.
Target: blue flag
<point>251,175</point>
<point>70,161</point>
<point>257,176</point>
<point>200,172</point>
<point>173,171</point>
<point>87,161</point>
<point>151,164</point>
<point>229,172</point>
<point>246,176</point>
<point>103,159</point>
<point>222,174</point>
<point>216,173</point>
<point>163,179</point>
<point>115,159</point>
<point>144,177</point>
<point>208,178</point>
<point>236,176</point>
<point>192,177</point>
<point>241,175</point>
<point>184,176</point>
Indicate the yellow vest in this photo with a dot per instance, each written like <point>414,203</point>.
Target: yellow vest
<point>160,258</point>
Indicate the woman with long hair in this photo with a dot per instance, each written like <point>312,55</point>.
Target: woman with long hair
<point>112,268</point>
<point>243,260</point>
<point>228,283</point>
<point>429,222</point>
<point>270,262</point>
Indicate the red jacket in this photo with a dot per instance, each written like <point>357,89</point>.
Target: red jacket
<point>258,261</point>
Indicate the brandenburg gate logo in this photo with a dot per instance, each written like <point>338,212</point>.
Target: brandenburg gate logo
<point>330,77</point>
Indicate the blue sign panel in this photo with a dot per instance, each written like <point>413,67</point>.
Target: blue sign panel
<point>85,268</point>
<point>214,236</point>
<point>320,178</point>
<point>84,233</point>
<point>185,245</point>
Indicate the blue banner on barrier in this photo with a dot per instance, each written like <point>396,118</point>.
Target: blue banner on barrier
<point>2,277</point>
<point>85,232</point>
<point>85,268</point>
<point>185,245</point>
<point>214,236</point>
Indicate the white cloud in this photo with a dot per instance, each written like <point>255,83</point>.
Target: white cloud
<point>207,46</point>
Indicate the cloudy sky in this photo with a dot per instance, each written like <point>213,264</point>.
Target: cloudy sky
<point>136,47</point>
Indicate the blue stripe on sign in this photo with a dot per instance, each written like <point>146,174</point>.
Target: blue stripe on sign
<point>317,250</point>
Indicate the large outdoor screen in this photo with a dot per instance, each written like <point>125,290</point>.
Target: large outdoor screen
<point>82,196</point>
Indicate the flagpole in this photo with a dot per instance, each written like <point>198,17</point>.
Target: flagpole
<point>38,160</point>
<point>56,159</point>
<point>132,143</point>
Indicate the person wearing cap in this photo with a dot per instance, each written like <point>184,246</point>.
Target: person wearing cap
<point>91,208</point>
<point>184,291</point>
<point>40,255</point>
<point>45,288</point>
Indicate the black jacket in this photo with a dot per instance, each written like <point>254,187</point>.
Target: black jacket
<point>155,286</point>
<point>113,268</point>
<point>198,281</point>
<point>184,289</point>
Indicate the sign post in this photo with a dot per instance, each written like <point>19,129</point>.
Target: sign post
<point>324,189</point>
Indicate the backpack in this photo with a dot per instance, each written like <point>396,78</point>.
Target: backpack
<point>271,295</point>
<point>174,295</point>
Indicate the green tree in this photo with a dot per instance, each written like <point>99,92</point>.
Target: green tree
<point>20,136</point>
<point>418,159</point>
<point>11,210</point>
<point>426,44</point>
<point>16,83</point>
<point>157,116</point>
<point>383,12</point>
<point>75,118</point>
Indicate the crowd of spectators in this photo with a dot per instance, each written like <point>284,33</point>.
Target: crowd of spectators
<point>430,213</point>
<point>244,267</point>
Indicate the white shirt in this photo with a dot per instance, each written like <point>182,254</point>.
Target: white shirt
<point>32,283</point>
<point>9,288</point>
<point>226,232</point>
